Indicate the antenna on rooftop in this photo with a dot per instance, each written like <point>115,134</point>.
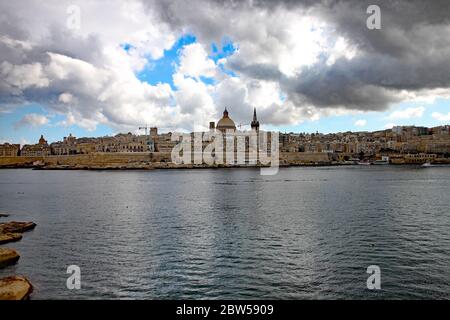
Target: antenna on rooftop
<point>145,128</point>
<point>242,124</point>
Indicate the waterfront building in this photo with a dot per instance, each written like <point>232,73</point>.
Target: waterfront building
<point>164,143</point>
<point>66,147</point>
<point>41,149</point>
<point>419,158</point>
<point>125,143</point>
<point>153,131</point>
<point>9,150</point>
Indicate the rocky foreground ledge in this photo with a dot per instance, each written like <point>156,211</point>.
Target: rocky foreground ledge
<point>16,227</point>
<point>8,257</point>
<point>13,287</point>
<point>9,237</point>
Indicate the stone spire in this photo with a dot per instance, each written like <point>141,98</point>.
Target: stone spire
<point>255,122</point>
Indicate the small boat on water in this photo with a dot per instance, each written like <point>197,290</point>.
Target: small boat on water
<point>384,160</point>
<point>426,165</point>
<point>364,163</point>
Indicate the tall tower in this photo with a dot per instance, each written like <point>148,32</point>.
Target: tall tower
<point>153,131</point>
<point>42,141</point>
<point>255,122</point>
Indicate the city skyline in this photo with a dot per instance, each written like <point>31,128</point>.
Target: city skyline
<point>357,128</point>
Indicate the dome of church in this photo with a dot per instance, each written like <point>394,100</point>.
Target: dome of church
<point>225,123</point>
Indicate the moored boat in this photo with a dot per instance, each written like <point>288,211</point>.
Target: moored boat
<point>383,160</point>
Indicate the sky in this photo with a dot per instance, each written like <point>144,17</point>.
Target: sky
<point>94,68</point>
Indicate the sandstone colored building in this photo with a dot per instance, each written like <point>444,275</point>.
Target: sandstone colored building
<point>40,149</point>
<point>9,150</point>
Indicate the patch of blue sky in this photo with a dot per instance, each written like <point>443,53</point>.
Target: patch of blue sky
<point>227,49</point>
<point>207,80</point>
<point>161,70</point>
<point>127,47</point>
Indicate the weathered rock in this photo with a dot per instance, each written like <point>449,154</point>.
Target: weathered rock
<point>16,227</point>
<point>9,237</point>
<point>8,257</point>
<point>15,288</point>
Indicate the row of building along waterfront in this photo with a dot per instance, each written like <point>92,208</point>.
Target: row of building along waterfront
<point>398,140</point>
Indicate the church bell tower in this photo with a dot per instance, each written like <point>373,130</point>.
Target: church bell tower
<point>255,122</point>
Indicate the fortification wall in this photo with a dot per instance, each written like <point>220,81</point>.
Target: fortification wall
<point>135,160</point>
<point>89,160</point>
<point>18,161</point>
<point>304,157</point>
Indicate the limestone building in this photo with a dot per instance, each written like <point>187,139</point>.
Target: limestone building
<point>41,149</point>
<point>9,150</point>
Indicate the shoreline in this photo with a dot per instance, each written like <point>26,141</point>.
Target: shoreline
<point>153,161</point>
<point>199,167</point>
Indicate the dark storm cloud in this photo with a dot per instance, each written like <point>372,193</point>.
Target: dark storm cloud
<point>19,48</point>
<point>410,52</point>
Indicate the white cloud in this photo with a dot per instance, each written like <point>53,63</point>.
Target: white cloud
<point>72,119</point>
<point>408,113</point>
<point>24,141</point>
<point>361,123</point>
<point>288,40</point>
<point>32,119</point>
<point>194,62</point>
<point>441,117</point>
<point>196,107</point>
<point>23,76</point>
<point>389,125</point>
<point>65,97</point>
<point>341,49</point>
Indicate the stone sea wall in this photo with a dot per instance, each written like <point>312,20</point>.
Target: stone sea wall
<point>135,161</point>
<point>18,161</point>
<point>299,158</point>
